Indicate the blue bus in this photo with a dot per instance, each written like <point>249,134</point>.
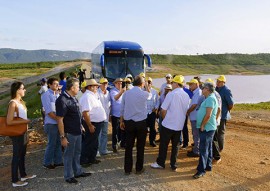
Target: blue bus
<point>116,59</point>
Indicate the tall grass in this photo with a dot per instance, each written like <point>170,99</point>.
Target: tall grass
<point>252,106</point>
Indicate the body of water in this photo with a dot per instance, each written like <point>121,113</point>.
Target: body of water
<point>245,89</point>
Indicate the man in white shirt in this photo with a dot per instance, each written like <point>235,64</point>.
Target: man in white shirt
<point>174,109</point>
<point>94,117</point>
<point>104,97</point>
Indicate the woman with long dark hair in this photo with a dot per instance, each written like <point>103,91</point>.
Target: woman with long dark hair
<point>18,109</point>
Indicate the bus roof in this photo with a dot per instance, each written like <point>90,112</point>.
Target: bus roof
<point>118,45</point>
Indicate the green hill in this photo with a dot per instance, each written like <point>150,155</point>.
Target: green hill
<point>8,55</point>
<point>216,63</point>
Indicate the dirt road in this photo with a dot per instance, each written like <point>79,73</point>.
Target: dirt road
<point>245,164</point>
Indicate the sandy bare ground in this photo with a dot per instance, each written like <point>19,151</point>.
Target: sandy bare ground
<point>245,164</point>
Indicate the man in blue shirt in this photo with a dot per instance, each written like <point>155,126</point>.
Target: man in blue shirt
<point>118,135</point>
<point>227,105</point>
<point>192,113</point>
<point>133,121</point>
<point>53,152</point>
<point>152,106</point>
<point>63,81</point>
<point>70,129</point>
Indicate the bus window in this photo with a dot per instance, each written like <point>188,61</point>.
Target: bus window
<point>135,65</point>
<point>115,67</point>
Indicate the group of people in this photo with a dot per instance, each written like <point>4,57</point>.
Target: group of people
<point>77,118</point>
<point>208,108</point>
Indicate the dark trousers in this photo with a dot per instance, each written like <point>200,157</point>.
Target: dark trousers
<point>167,135</point>
<point>221,134</point>
<point>205,160</point>
<point>90,143</point>
<point>216,151</point>
<point>151,120</point>
<point>18,159</point>
<point>135,130</point>
<point>184,132</point>
<point>117,133</point>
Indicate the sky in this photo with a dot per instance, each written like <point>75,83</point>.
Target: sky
<point>161,27</point>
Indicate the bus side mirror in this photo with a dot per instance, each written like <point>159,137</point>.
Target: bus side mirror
<point>149,61</point>
<point>102,61</point>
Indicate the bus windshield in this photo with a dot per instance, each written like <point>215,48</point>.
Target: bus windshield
<point>121,66</point>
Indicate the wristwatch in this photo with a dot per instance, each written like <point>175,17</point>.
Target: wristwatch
<point>62,136</point>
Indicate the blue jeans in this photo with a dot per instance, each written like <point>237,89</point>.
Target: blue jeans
<point>151,121</point>
<point>206,155</point>
<point>159,123</point>
<point>184,132</point>
<point>196,137</point>
<point>118,135</point>
<point>18,159</point>
<point>90,143</point>
<point>103,138</point>
<point>72,155</point>
<point>53,152</point>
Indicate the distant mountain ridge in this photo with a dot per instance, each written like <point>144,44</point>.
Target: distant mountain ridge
<point>8,55</point>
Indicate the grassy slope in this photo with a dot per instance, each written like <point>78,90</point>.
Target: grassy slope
<point>18,71</point>
<point>32,98</point>
<point>214,63</point>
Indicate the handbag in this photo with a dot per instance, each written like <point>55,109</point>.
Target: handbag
<point>11,130</point>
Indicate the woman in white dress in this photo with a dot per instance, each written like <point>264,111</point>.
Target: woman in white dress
<point>17,108</point>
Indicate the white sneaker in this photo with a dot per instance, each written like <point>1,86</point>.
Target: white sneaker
<point>98,154</point>
<point>19,184</point>
<point>108,152</point>
<point>28,177</point>
<point>156,166</point>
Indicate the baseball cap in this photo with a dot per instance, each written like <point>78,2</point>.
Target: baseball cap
<point>129,76</point>
<point>103,80</point>
<point>209,80</point>
<point>179,79</point>
<point>118,80</point>
<point>83,85</point>
<point>221,78</point>
<point>44,80</point>
<point>193,81</point>
<point>149,79</point>
<point>168,87</point>
<point>168,76</point>
<point>142,74</point>
<point>127,80</point>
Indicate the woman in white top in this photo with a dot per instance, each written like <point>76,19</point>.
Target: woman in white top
<point>17,108</point>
